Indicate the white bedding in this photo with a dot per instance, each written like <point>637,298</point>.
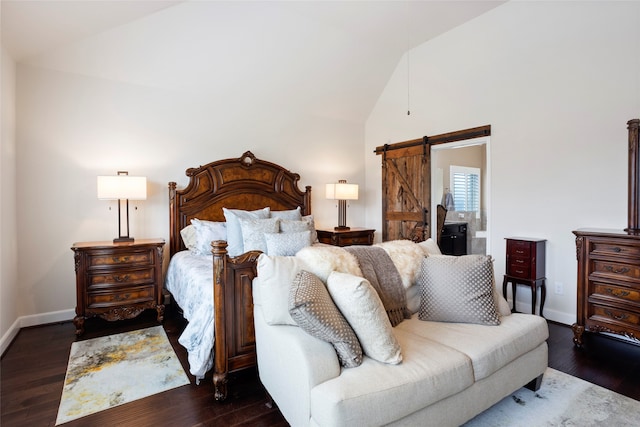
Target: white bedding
<point>190,281</point>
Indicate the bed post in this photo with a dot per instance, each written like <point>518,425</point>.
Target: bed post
<point>220,362</point>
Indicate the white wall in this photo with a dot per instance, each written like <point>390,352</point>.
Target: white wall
<point>557,81</point>
<point>72,128</point>
<point>8,230</point>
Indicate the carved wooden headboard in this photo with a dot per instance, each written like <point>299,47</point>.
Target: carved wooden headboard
<point>244,183</point>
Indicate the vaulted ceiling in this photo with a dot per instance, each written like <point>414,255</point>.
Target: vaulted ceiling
<point>337,55</point>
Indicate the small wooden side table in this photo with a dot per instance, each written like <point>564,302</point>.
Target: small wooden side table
<point>526,266</point>
<point>118,281</point>
<point>353,236</point>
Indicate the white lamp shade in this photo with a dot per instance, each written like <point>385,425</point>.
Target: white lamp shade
<point>122,187</point>
<point>342,191</point>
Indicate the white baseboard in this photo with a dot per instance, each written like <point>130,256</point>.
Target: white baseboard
<point>33,320</point>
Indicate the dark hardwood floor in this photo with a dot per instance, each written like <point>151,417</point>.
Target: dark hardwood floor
<point>33,370</point>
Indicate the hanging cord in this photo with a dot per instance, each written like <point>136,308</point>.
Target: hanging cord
<point>408,63</point>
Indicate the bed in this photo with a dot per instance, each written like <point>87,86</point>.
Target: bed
<point>223,338</point>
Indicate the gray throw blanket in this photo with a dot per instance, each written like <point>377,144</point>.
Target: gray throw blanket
<point>378,268</point>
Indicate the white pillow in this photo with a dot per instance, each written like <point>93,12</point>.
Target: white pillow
<point>430,247</point>
<point>293,214</point>
<point>406,256</point>
<point>205,233</point>
<point>275,276</point>
<point>323,259</point>
<point>188,235</point>
<point>234,232</point>
<point>253,231</point>
<point>360,304</point>
<point>287,244</point>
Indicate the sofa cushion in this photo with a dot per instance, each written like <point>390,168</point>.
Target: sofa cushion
<point>376,394</point>
<point>311,306</point>
<point>458,289</point>
<point>360,304</point>
<point>489,347</point>
<point>272,286</point>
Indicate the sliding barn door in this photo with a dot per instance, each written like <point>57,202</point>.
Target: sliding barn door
<point>406,191</point>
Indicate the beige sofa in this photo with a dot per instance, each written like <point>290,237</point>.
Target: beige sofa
<point>449,372</point>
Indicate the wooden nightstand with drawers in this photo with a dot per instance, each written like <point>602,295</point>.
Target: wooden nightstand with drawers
<point>526,266</point>
<point>352,236</point>
<point>117,281</point>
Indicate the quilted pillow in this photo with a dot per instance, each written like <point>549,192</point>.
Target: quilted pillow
<point>305,223</point>
<point>457,289</point>
<point>311,306</point>
<point>234,232</point>
<point>204,233</point>
<point>253,232</point>
<point>360,304</point>
<point>287,244</point>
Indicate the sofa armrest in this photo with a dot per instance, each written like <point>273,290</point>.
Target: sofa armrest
<point>290,363</point>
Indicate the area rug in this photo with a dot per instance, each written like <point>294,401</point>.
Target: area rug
<point>562,400</point>
<point>116,369</point>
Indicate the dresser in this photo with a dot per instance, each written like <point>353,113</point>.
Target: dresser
<point>352,236</point>
<point>525,265</point>
<point>608,283</point>
<point>117,281</point>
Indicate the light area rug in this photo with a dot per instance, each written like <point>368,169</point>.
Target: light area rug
<point>109,371</point>
<point>562,400</point>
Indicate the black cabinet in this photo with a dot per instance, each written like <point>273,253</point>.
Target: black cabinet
<point>454,238</point>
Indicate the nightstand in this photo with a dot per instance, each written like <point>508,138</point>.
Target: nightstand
<point>353,236</point>
<point>117,281</point>
<point>526,266</point>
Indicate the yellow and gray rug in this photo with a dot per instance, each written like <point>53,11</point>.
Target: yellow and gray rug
<point>116,369</point>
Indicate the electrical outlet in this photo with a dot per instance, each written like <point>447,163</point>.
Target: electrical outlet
<point>559,288</point>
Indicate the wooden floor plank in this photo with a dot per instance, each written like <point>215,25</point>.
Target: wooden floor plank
<point>34,366</point>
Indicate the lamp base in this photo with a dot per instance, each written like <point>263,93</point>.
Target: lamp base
<point>123,239</point>
<point>341,228</point>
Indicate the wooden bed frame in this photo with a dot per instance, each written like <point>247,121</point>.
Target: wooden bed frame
<point>243,183</point>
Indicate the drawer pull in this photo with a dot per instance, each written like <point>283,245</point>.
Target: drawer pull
<point>616,316</point>
<point>519,271</point>
<point>520,261</point>
<point>621,270</point>
<point>117,259</point>
<point>518,251</point>
<point>617,292</point>
<point>121,279</point>
<point>617,249</point>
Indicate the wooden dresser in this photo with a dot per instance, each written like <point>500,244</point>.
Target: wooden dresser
<point>609,266</point>
<point>608,283</point>
<point>353,236</point>
<point>117,281</point>
<point>525,265</point>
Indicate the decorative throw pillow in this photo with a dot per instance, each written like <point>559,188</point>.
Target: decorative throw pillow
<point>322,260</point>
<point>291,215</point>
<point>253,231</point>
<point>311,306</point>
<point>205,233</point>
<point>188,235</point>
<point>287,244</point>
<point>360,305</point>
<point>406,256</point>
<point>273,284</point>
<point>430,247</point>
<point>234,232</point>
<point>458,289</point>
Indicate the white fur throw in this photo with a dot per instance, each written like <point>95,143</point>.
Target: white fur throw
<point>406,256</point>
<point>321,260</point>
